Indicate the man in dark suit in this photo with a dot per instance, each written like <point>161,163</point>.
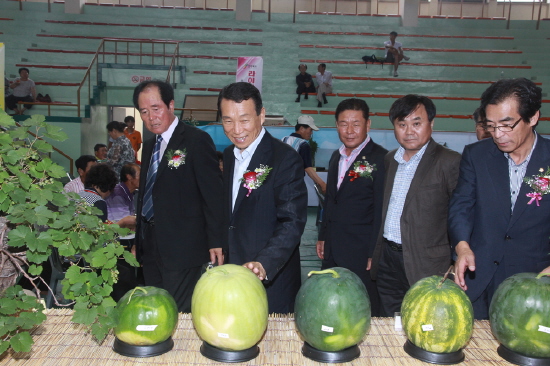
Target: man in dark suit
<point>420,178</point>
<point>266,213</point>
<point>180,197</point>
<point>353,202</point>
<point>499,225</point>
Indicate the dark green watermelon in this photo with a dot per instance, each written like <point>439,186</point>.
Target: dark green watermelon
<point>520,314</point>
<point>437,315</point>
<point>332,309</point>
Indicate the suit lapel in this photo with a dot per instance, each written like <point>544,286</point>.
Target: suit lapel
<point>388,185</point>
<point>363,155</point>
<point>175,142</point>
<point>424,166</point>
<point>538,160</point>
<point>332,175</point>
<point>228,171</point>
<point>497,168</point>
<point>261,156</point>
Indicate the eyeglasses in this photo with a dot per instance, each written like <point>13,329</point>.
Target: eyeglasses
<point>507,128</point>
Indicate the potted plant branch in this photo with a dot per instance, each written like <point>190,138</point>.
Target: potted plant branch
<point>38,220</point>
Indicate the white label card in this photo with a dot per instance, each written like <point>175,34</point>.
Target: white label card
<point>544,329</point>
<point>324,328</point>
<point>427,327</point>
<point>223,335</point>
<point>146,328</point>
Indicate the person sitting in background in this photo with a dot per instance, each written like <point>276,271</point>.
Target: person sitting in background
<point>481,132</point>
<point>83,165</point>
<point>121,152</point>
<point>304,82</point>
<point>100,183</point>
<point>121,201</point>
<point>132,134</point>
<point>394,52</point>
<point>324,84</point>
<point>100,152</point>
<point>23,90</point>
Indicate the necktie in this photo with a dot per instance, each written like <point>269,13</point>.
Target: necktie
<point>148,211</point>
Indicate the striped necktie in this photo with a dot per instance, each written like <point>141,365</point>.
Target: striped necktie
<point>148,211</point>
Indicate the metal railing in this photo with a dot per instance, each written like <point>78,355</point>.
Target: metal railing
<point>138,56</point>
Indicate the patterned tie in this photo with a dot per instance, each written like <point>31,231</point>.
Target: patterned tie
<point>148,211</point>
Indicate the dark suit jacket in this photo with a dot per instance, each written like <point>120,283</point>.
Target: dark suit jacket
<point>426,247</point>
<point>352,214</point>
<point>187,200</point>
<point>480,213</point>
<point>267,225</point>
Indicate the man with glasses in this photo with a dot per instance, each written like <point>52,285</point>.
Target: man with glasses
<point>499,225</point>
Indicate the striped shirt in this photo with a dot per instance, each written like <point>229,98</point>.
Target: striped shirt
<point>517,173</point>
<point>402,182</point>
<point>345,161</point>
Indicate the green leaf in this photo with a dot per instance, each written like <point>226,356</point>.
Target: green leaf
<point>42,146</point>
<point>18,196</point>
<point>83,314</point>
<point>60,200</point>
<point>130,258</point>
<point>7,305</point>
<point>4,345</point>
<point>43,214</point>
<point>34,120</point>
<point>35,270</point>
<point>56,171</point>
<point>55,133</point>
<point>18,236</point>
<point>25,181</point>
<point>43,165</point>
<point>21,342</point>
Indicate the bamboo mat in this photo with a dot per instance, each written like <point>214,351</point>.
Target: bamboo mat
<point>60,342</point>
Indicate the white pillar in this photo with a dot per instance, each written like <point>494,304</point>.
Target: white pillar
<point>408,9</point>
<point>243,10</point>
<point>74,6</point>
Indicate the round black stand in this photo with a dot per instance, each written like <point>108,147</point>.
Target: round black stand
<point>220,355</point>
<point>432,357</point>
<point>516,358</point>
<point>130,350</point>
<point>345,355</point>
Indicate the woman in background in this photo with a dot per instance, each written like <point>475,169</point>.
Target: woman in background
<point>121,152</point>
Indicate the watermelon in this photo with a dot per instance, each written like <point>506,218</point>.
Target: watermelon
<point>437,316</point>
<point>520,314</point>
<point>229,308</point>
<point>146,316</point>
<point>332,309</point>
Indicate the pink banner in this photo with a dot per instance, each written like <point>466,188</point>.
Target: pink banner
<point>250,70</point>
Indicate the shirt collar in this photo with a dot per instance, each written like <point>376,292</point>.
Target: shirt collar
<point>401,151</point>
<point>357,149</point>
<point>166,135</point>
<point>528,156</point>
<point>249,151</point>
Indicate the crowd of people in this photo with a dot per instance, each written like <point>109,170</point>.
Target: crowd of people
<point>390,217</point>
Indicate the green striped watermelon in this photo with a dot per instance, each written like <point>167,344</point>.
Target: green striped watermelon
<point>146,316</point>
<point>332,309</point>
<point>437,315</point>
<point>520,314</point>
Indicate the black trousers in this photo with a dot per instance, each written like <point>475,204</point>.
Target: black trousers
<point>180,283</point>
<point>391,281</point>
<point>482,303</point>
<point>364,275</point>
<point>11,101</point>
<point>303,89</point>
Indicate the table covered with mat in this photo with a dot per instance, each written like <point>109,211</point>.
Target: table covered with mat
<point>60,342</point>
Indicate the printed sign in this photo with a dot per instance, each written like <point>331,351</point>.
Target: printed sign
<point>250,70</point>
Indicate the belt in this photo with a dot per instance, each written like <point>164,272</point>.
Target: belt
<point>151,221</point>
<point>393,245</point>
